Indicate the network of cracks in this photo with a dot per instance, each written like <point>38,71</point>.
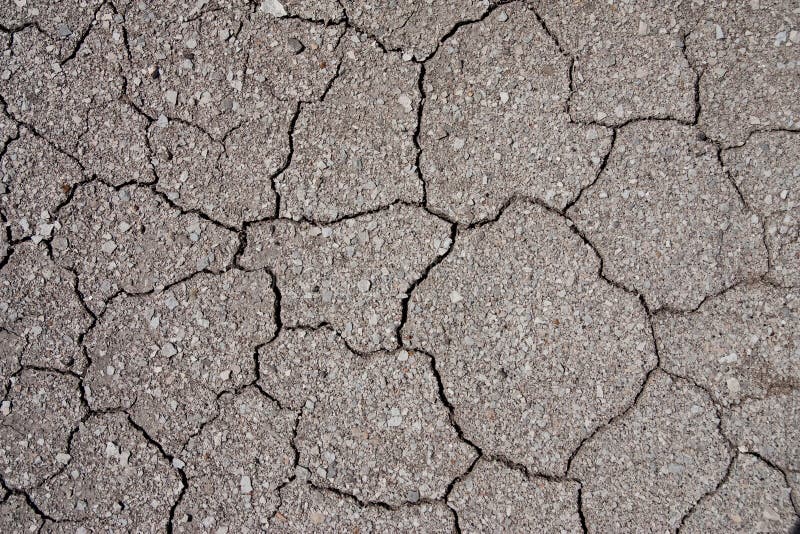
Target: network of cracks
<point>377,266</point>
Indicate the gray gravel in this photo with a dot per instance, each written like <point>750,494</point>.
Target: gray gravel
<point>495,125</point>
<point>366,424</point>
<point>754,498</point>
<point>418,266</point>
<point>767,172</point>
<point>645,471</point>
<point>496,498</point>
<point>501,315</point>
<point>667,220</point>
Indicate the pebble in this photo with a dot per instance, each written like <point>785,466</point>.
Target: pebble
<point>245,485</point>
<point>295,46</point>
<point>274,8</point>
<point>405,103</point>
<point>171,97</point>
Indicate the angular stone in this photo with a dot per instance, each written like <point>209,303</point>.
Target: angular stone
<point>767,173</point>
<point>354,151</point>
<point>413,27</point>
<point>647,469</point>
<point>494,123</point>
<point>667,221</point>
<point>116,480</point>
<point>151,243</point>
<point>754,498</point>
<point>738,345</point>
<point>374,426</point>
<point>629,60</point>
<point>250,438</point>
<point>308,509</point>
<point>318,269</point>
<point>39,305</point>
<point>320,10</point>
<point>496,498</point>
<point>507,351</point>
<point>165,357</point>
<point>749,78</point>
<point>36,179</point>
<point>34,436</point>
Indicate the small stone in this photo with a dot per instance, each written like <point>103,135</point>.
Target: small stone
<point>502,17</point>
<point>171,97</point>
<point>455,297</point>
<point>718,32</point>
<point>405,103</point>
<point>60,243</point>
<point>733,385</point>
<point>64,31</point>
<point>169,350</point>
<point>364,285</point>
<point>63,458</point>
<point>108,247</point>
<point>274,8</point>
<point>245,485</point>
<point>295,46</point>
<point>171,302</point>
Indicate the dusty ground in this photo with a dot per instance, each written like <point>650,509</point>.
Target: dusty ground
<point>367,266</point>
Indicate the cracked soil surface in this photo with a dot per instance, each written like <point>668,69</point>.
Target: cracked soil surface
<point>399,266</point>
